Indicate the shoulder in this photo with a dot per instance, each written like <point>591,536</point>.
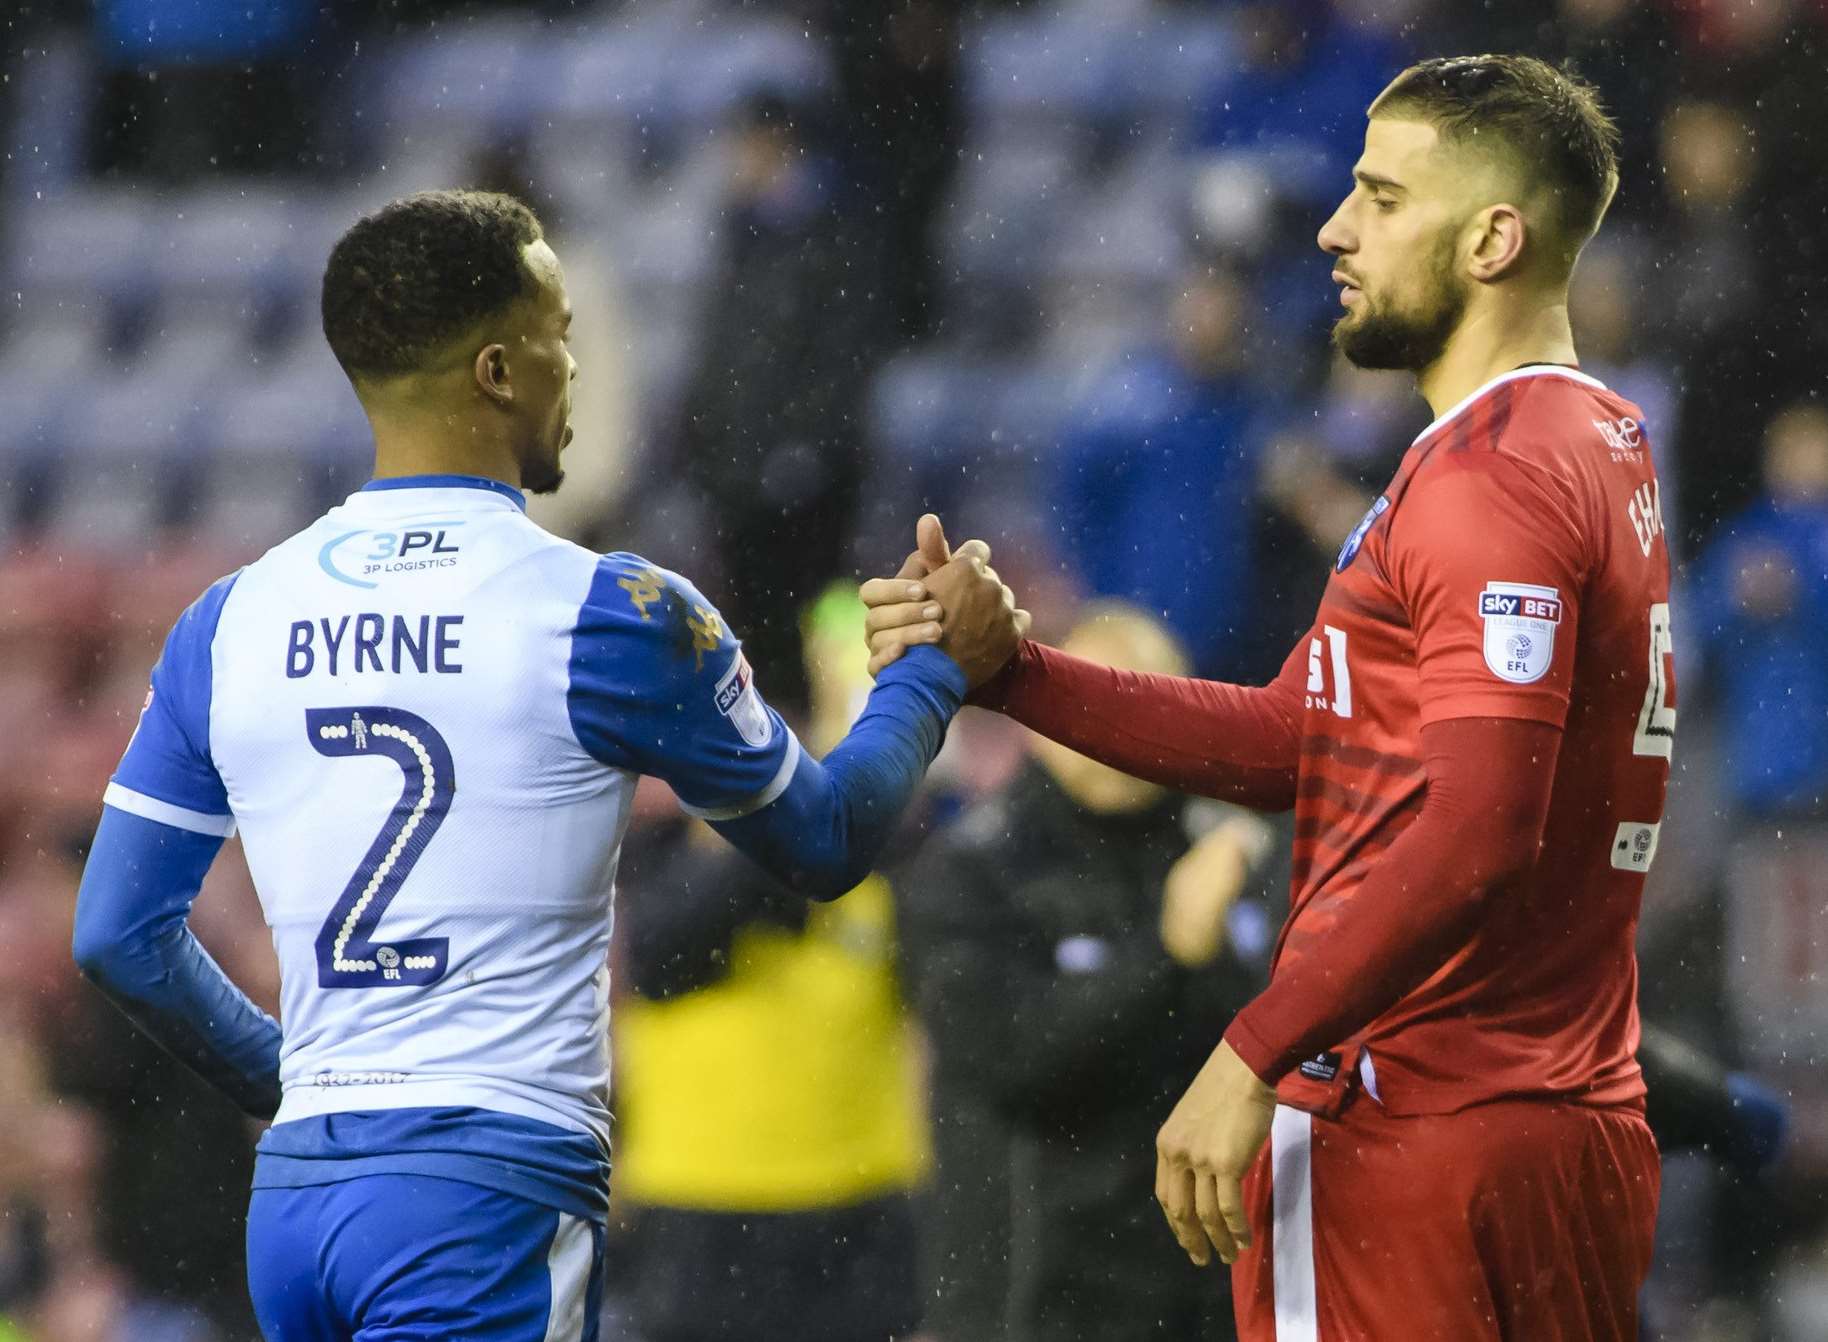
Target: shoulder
<point>194,631</point>
<point>1532,439</point>
<point>652,624</point>
<point>1564,417</point>
<point>629,592</point>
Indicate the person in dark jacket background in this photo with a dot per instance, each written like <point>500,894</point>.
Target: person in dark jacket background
<point>770,437</point>
<point>769,1121</point>
<point>1036,938</point>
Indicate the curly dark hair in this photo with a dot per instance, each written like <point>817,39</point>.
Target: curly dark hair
<point>405,281</point>
<point>1550,120</point>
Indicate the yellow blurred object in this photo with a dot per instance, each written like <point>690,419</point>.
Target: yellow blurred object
<point>790,1085</point>
<point>1202,886</point>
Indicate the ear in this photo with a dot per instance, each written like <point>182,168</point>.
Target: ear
<point>491,372</point>
<point>1498,243</point>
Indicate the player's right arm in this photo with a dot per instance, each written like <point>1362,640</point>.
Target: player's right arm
<point>164,818</point>
<point>660,685</point>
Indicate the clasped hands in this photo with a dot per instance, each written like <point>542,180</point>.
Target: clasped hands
<point>952,599</point>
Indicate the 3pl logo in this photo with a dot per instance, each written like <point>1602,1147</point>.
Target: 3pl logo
<point>426,545</point>
<point>1520,620</point>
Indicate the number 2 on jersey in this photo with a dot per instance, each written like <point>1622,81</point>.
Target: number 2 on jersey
<point>348,953</point>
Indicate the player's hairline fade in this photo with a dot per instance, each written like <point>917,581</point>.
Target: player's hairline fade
<point>406,281</point>
<point>1550,120</point>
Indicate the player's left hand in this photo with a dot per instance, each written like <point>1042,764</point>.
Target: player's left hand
<point>1203,1152</point>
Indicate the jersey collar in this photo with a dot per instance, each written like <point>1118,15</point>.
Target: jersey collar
<point>1528,370</point>
<point>507,491</point>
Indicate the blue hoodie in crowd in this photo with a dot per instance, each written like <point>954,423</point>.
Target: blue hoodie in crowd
<point>1769,667</point>
<point>1154,493</point>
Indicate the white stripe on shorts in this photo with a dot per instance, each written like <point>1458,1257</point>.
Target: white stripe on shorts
<point>1292,1238</point>
<point>569,1263</point>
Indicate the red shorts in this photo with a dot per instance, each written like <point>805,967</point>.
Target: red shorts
<point>1525,1221</point>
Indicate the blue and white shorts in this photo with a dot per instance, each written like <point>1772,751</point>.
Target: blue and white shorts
<point>415,1258</point>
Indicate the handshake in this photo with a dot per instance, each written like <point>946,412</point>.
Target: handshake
<point>952,599</point>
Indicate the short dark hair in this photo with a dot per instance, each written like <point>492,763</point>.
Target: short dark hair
<point>416,274</point>
<point>1551,120</point>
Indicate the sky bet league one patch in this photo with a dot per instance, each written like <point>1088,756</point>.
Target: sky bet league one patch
<point>738,701</point>
<point>1520,620</point>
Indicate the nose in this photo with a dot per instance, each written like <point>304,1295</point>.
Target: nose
<point>1335,238</point>
<point>572,376</point>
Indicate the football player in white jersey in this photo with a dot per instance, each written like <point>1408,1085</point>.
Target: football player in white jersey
<point>426,717</point>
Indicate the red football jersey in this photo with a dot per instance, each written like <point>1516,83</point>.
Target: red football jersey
<point>1515,567</point>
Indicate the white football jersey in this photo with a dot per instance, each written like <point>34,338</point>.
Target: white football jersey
<point>425,716</point>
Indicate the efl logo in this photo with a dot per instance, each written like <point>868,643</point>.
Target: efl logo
<point>1520,620</point>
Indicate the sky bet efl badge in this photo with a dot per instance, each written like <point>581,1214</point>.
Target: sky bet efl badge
<point>737,700</point>
<point>1520,622</point>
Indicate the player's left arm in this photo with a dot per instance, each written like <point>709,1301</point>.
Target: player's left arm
<point>1489,563</point>
<point>165,817</point>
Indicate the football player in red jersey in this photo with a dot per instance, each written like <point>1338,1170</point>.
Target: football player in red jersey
<point>1430,1124</point>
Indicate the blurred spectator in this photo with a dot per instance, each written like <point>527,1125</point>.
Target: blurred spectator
<point>793,324</point>
<point>1759,607</point>
<point>1150,485</point>
<point>1296,103</point>
<point>770,1129</point>
<point>1071,949</point>
<point>205,86</point>
<point>899,90</point>
<point>1709,310</point>
<point>1323,467</point>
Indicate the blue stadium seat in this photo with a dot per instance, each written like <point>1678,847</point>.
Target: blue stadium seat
<point>477,71</point>
<point>227,253</point>
<point>49,362</point>
<point>299,410</point>
<point>79,244</point>
<point>1052,66</point>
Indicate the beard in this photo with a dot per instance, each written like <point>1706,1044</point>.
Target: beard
<point>543,479</point>
<point>541,471</point>
<point>1381,336</point>
<point>542,475</point>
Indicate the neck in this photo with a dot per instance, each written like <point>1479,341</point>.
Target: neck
<point>1494,339</point>
<point>416,444</point>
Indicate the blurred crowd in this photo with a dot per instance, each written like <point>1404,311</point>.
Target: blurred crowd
<point>1047,268</point>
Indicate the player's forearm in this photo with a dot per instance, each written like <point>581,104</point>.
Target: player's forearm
<point>1238,743</point>
<point>1479,830</point>
<point>131,941</point>
<point>823,834</point>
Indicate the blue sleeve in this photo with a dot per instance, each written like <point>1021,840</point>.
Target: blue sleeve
<point>659,685</point>
<point>132,942</point>
<point>167,773</point>
<point>824,832</point>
